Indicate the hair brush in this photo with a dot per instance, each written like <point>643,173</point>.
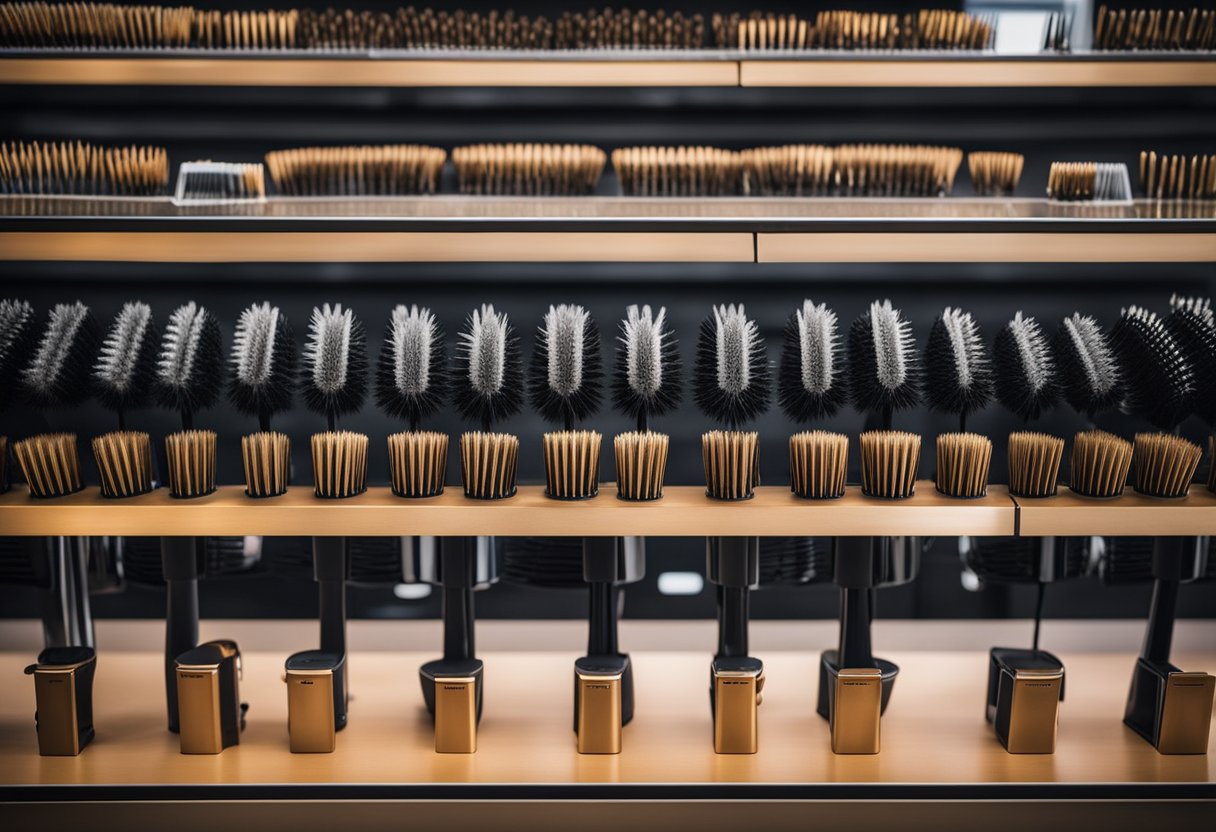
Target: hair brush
<point>1025,371</point>
<point>884,370</point>
<point>731,375</point>
<point>958,372</point>
<point>564,378</point>
<point>1193,326</point>
<point>263,363</point>
<point>648,370</point>
<point>59,370</point>
<point>18,337</point>
<point>334,372</point>
<point>412,371</point>
<point>1087,365</point>
<point>126,364</point>
<point>489,372</point>
<point>190,368</point>
<point>811,380</point>
<point>1160,382</point>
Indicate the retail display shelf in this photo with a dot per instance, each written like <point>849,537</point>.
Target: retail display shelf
<point>684,511</point>
<point>1131,514</point>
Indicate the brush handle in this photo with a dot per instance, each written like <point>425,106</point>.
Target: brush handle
<point>854,648</point>
<point>733,564</point>
<point>181,563</point>
<point>601,619</point>
<point>733,612</point>
<point>1170,562</point>
<point>458,575</point>
<point>331,568</point>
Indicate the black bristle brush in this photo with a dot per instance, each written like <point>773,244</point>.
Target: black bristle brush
<point>1160,381</point>
<point>334,377</point>
<point>1193,325</point>
<point>646,382</point>
<point>1026,381</point>
<point>565,375</point>
<point>884,369</point>
<point>264,375</point>
<point>489,372</point>
<point>17,338</point>
<point>731,374</point>
<point>958,380</point>
<point>123,376</point>
<point>190,366</point>
<point>811,384</point>
<point>1087,366</point>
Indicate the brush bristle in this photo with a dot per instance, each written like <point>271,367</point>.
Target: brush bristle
<point>1034,463</point>
<point>626,29</point>
<point>648,369</point>
<point>731,378</point>
<point>528,169</point>
<point>732,463</point>
<point>1164,464</point>
<point>565,375</point>
<point>678,171</point>
<point>1087,366</point>
<point>378,170</point>
<point>819,464</point>
<point>488,368</point>
<point>845,30</point>
<point>190,367</point>
<point>190,456</point>
<point>811,385</point>
<point>1025,372</point>
<point>995,173</point>
<point>958,372</point>
<point>1160,382</point>
<point>339,464</point>
<point>889,462</point>
<point>412,371</point>
<point>1099,464</point>
<point>572,464</point>
<point>59,372</point>
<point>884,370</point>
<point>1122,29</point>
<point>78,168</point>
<point>18,335</point>
<point>263,360</point>
<point>489,463</point>
<point>335,361</point>
<point>641,464</point>
<point>963,460</point>
<point>126,364</point>
<point>1193,327</point>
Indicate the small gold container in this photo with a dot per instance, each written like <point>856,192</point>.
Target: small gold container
<point>489,463</point>
<point>339,464</point>
<point>1164,464</point>
<point>732,463</point>
<point>191,458</point>
<point>50,464</point>
<point>963,462</point>
<point>266,460</point>
<point>889,461</point>
<point>572,464</point>
<point>124,461</point>
<point>641,464</point>
<point>417,463</point>
<point>1099,464</point>
<point>819,464</point>
<point>1034,464</point>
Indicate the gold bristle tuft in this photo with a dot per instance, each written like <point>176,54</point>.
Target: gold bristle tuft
<point>641,464</point>
<point>1072,180</point>
<point>50,464</point>
<point>81,169</point>
<point>379,170</point>
<point>266,459</point>
<point>572,464</point>
<point>732,463</point>
<point>411,28</point>
<point>1164,176</point>
<point>626,29</point>
<point>418,463</point>
<point>678,171</point>
<point>819,464</point>
<point>791,170</point>
<point>489,463</point>
<point>1034,464</point>
<point>963,461</point>
<point>124,461</point>
<point>339,464</point>
<point>895,170</point>
<point>926,29</point>
<point>889,462</point>
<point>1156,29</point>
<point>191,458</point>
<point>995,173</point>
<point>1164,464</point>
<point>1099,464</point>
<point>528,169</point>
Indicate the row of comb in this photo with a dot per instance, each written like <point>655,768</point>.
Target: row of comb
<point>930,29</point>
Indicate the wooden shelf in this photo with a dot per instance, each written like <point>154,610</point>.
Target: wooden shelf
<point>684,511</point>
<point>1131,515</point>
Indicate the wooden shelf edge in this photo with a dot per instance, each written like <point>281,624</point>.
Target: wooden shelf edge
<point>1131,515</point>
<point>977,73</point>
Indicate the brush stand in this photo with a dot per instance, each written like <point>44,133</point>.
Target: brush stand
<point>332,569</point>
<point>315,710</point>
<point>1025,688</point>
<point>608,563</point>
<point>63,689</point>
<point>182,561</point>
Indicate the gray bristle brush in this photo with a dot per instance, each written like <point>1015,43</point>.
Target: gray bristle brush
<point>884,369</point>
<point>190,368</point>
<point>59,373</point>
<point>647,378</point>
<point>489,372</point>
<point>1088,368</point>
<point>731,374</point>
<point>126,364</point>
<point>1025,371</point>
<point>565,373</point>
<point>335,363</point>
<point>411,374</point>
<point>263,362</point>
<point>958,371</point>
<point>18,336</point>
<point>811,384</point>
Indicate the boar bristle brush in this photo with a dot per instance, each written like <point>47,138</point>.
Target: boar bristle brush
<point>1087,366</point>
<point>264,373</point>
<point>334,380</point>
<point>123,376</point>
<point>958,380</point>
<point>1027,385</point>
<point>18,336</point>
<point>646,383</point>
<point>489,378</point>
<point>810,387</point>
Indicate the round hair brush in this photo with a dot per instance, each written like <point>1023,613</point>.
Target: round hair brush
<point>123,377</point>
<point>731,385</point>
<point>811,386</point>
<point>958,380</point>
<point>1026,386</point>
<point>488,381</point>
<point>1088,368</point>
<point>884,375</point>
<point>17,339</point>
<point>263,383</point>
<point>564,380</point>
<point>1193,325</point>
<point>411,381</point>
<point>646,383</point>
<point>334,378</point>
<point>57,375</point>
<point>189,376</point>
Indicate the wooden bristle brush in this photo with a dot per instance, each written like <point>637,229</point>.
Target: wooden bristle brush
<point>842,30</point>
<point>958,380</point>
<point>1088,181</point>
<point>189,376</point>
<point>810,387</point>
<point>678,171</point>
<point>963,461</point>
<point>264,371</point>
<point>1034,464</point>
<point>759,30</point>
<point>489,464</point>
<point>790,170</point>
<point>123,377</point>
<point>95,26</point>
<point>411,383</point>
<point>645,383</point>
<point>190,455</point>
<point>50,464</point>
<point>268,29</point>
<point>18,337</point>
<point>528,169</point>
<point>895,170</point>
<point>1164,464</point>
<point>889,462</point>
<point>377,170</point>
<point>488,385</point>
<point>572,464</point>
<point>732,463</point>
<point>641,464</point>
<point>81,169</point>
<point>1166,176</point>
<point>334,380</point>
<point>411,28</point>
<point>625,29</point>
<point>1155,29</point>
<point>1099,464</point>
<point>995,173</point>
<point>819,464</point>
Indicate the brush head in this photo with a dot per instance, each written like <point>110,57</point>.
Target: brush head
<point>1025,372</point>
<point>958,371</point>
<point>731,377</point>
<point>1160,382</point>
<point>18,335</point>
<point>1193,325</point>
<point>126,365</point>
<point>488,368</point>
<point>263,362</point>
<point>334,373</point>
<point>58,373</point>
<point>884,370</point>
<point>564,379</point>
<point>1087,366</point>
<point>810,384</point>
<point>190,368</point>
<point>412,371</point>
<point>648,369</point>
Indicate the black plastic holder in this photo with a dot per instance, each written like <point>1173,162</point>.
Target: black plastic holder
<point>608,562</point>
<point>733,566</point>
<point>331,563</point>
<point>458,574</point>
<point>182,560</point>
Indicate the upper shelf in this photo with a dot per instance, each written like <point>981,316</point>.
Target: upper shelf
<point>629,68</point>
<point>456,228</point>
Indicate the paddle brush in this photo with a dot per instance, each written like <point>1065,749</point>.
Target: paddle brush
<point>958,380</point>
<point>123,376</point>
<point>264,371</point>
<point>17,339</point>
<point>645,383</point>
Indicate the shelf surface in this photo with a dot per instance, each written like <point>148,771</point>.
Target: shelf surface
<point>684,511</point>
<point>1133,515</point>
